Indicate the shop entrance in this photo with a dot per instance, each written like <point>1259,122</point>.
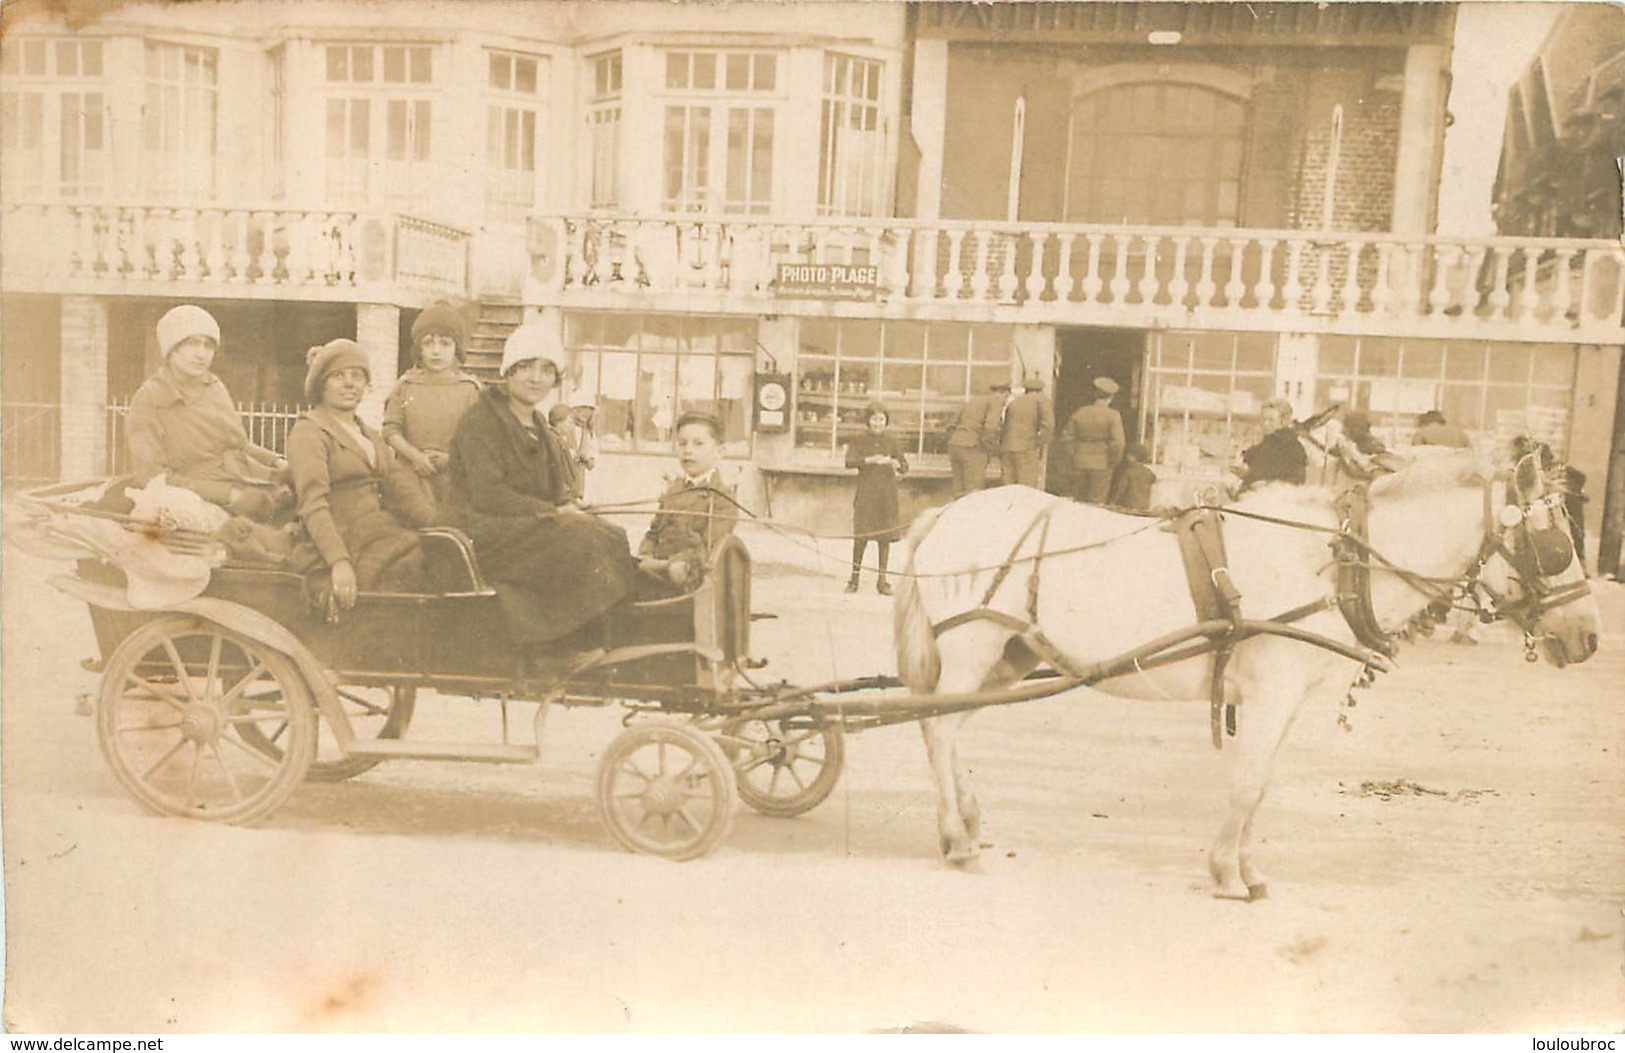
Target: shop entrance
<point>1085,354</point>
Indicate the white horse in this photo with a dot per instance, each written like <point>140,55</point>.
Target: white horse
<point>1109,583</point>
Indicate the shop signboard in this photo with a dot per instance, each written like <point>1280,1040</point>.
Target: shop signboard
<point>826,281</point>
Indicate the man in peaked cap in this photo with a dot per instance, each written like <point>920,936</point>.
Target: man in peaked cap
<point>1095,436</point>
<point>972,435</point>
<point>1027,427</point>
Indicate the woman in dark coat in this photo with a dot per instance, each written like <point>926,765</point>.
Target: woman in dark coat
<point>556,568</point>
<point>878,457</point>
<point>1279,455</point>
<point>356,512</point>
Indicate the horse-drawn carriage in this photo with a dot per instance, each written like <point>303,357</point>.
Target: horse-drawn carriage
<point>218,705</point>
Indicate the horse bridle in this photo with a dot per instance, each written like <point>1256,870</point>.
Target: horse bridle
<point>1536,596</point>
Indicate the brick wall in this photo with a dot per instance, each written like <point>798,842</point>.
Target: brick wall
<point>1364,195</point>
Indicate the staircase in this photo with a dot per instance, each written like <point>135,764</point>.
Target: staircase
<point>498,318</point>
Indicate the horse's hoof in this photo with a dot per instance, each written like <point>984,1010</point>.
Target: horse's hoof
<point>1257,892</point>
<point>1238,892</point>
<point>965,862</point>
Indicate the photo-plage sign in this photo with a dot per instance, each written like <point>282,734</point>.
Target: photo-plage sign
<point>826,281</point>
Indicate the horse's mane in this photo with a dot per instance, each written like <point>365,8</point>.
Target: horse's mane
<point>1428,472</point>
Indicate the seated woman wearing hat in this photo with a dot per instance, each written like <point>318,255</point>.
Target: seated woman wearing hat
<point>183,425</point>
<point>430,399</point>
<point>354,508</point>
<point>1279,456</point>
<point>556,568</point>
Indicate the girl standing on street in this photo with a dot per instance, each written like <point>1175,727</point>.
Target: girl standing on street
<point>878,457</point>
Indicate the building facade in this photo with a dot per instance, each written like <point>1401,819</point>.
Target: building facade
<point>783,213</point>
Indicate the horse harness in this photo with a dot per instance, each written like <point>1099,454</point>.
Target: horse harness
<point>1537,554</point>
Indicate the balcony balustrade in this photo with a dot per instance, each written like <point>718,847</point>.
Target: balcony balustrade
<point>1128,276</point>
<point>269,253</point>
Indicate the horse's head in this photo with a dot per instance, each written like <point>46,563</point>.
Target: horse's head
<point>1531,573</point>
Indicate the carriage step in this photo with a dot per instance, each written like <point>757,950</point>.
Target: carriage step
<point>486,752</point>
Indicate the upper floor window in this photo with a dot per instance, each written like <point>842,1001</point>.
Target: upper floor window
<point>604,130</point>
<point>1156,153</point>
<point>852,139</point>
<point>513,112</point>
<point>53,117</point>
<point>720,122</point>
<point>178,121</point>
<point>379,122</point>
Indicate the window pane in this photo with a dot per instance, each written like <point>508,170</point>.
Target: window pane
<point>736,334</point>
<point>338,63</point>
<point>1464,361</point>
<point>657,397</point>
<point>395,65</point>
<point>988,344</point>
<point>1379,357</point>
<point>662,334</point>
<point>817,336</point>
<point>524,76</point>
<point>677,69</point>
<point>1255,352</point>
<point>34,57</point>
<point>697,384</point>
<point>582,329</point>
<point>738,72</point>
<point>361,63</point>
<point>1554,365</point>
<point>1423,360</point>
<point>901,378</point>
<point>621,331</point>
<point>395,141</point>
<point>360,127</point>
<point>950,343</point>
<point>420,129</point>
<point>761,159</point>
<point>905,341</point>
<point>738,143</point>
<point>527,144</point>
<point>67,59</point>
<point>860,339</point>
<point>499,71</point>
<point>617,392</point>
<point>421,67</point>
<point>1509,363</point>
<point>705,71</point>
<point>335,127</point>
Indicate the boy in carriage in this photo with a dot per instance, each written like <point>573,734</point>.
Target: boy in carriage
<point>696,512</point>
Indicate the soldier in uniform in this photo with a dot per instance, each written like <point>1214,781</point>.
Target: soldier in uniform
<point>973,434</point>
<point>1095,437</point>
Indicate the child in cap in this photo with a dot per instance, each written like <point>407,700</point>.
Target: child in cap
<point>429,400</point>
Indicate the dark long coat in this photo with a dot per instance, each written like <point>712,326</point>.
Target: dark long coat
<point>1277,457</point>
<point>874,507</point>
<point>554,570</point>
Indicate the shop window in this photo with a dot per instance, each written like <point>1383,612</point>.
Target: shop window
<point>852,139</point>
<point>643,371</point>
<point>178,121</point>
<point>53,118</point>
<point>1206,390</point>
<point>1494,391</point>
<point>604,130</point>
<point>515,88</point>
<point>720,131</point>
<point>923,373</point>
<point>1160,153</point>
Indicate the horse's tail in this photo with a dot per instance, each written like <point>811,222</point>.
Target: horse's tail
<point>918,662</point>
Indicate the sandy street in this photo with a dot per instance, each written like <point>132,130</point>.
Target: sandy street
<point>1455,863</point>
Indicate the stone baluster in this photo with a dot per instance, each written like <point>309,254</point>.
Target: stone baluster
<point>1178,287</point>
<point>1350,293</point>
<point>268,229</point>
<point>350,257</point>
<point>1035,283</point>
<point>84,250</point>
<point>922,282</point>
<point>297,261</point>
<point>241,260</point>
<point>1471,297</point>
<point>954,281</point>
<point>1120,262</point>
<point>1292,289</point>
<point>980,279</point>
<point>712,240</point>
<point>1007,272</point>
<point>1235,288</point>
<point>1444,259</point>
<point>1148,284</point>
<point>1522,305</point>
<point>1091,271</point>
<point>1500,299</point>
<point>191,254</point>
<point>216,258</point>
<point>1562,286</point>
<point>1205,288</point>
<point>1381,294</point>
<point>1264,291</point>
<point>1320,297</point>
<point>1063,269</point>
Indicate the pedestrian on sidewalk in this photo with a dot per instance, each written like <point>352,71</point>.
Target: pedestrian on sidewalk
<point>878,457</point>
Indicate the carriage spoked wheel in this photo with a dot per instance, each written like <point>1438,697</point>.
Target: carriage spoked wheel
<point>374,713</point>
<point>784,768</point>
<point>180,699</point>
<point>665,789</point>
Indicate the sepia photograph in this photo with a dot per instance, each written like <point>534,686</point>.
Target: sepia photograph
<point>812,516</point>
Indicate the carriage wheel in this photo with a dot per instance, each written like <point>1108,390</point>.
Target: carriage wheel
<point>177,697</point>
<point>665,789</point>
<point>784,768</point>
<point>374,712</point>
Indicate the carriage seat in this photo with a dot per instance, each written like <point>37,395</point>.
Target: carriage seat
<point>448,560</point>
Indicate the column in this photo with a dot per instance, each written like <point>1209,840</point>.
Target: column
<point>304,119</point>
<point>378,331</point>
<point>929,122</point>
<point>1421,139</point>
<point>1592,446</point>
<point>84,387</point>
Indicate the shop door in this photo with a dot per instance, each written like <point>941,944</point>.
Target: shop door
<point>1085,354</point>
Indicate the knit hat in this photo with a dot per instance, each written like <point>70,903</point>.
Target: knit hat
<point>441,317</point>
<point>182,323</point>
<point>330,357</point>
<point>531,341</point>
